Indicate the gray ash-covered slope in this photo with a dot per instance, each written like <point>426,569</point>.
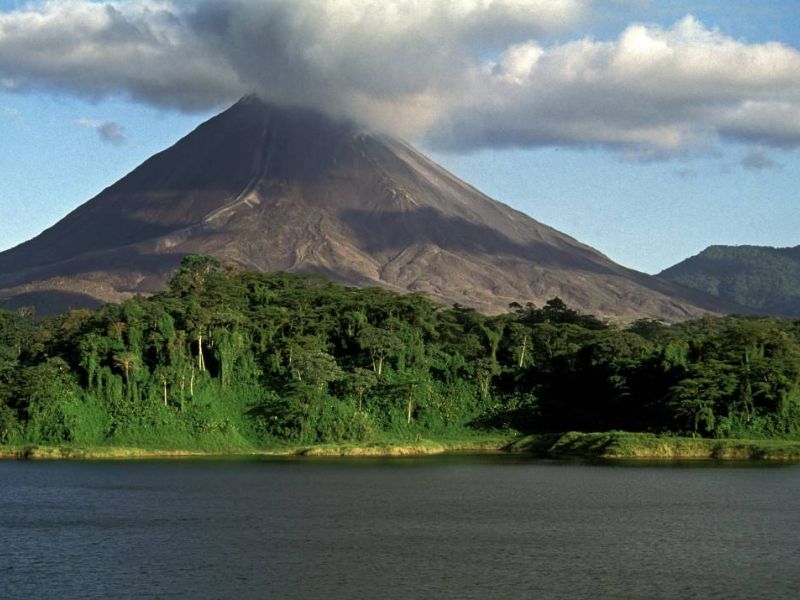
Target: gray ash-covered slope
<point>763,279</point>
<point>286,189</point>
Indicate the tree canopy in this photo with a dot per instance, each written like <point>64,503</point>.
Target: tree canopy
<point>230,359</point>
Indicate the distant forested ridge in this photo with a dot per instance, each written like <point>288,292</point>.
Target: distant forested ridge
<point>762,279</point>
<point>228,359</point>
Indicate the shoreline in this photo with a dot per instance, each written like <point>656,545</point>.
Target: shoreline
<point>422,447</point>
<point>614,445</point>
<point>625,445</point>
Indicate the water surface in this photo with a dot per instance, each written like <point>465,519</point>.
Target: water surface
<point>482,526</point>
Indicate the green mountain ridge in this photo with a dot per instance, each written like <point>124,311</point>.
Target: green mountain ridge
<point>760,278</point>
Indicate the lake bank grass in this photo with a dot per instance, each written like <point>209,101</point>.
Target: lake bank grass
<point>631,445</point>
<point>605,445</point>
<point>489,442</point>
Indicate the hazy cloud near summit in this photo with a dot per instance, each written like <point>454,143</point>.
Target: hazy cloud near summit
<point>462,75</point>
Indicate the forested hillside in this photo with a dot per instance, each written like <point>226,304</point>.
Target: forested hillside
<point>232,360</point>
<point>765,280</point>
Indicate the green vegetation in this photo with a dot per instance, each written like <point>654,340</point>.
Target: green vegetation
<point>237,362</point>
<point>624,444</point>
<point>468,442</point>
<point>760,278</point>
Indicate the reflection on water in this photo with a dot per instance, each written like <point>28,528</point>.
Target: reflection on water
<point>463,526</point>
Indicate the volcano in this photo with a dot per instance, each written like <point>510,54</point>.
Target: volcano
<point>273,188</point>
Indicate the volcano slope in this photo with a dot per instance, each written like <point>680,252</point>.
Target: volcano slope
<point>286,189</point>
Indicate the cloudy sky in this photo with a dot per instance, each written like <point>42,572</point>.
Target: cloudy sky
<point>647,129</point>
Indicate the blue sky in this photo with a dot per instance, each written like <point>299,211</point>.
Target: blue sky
<point>646,196</point>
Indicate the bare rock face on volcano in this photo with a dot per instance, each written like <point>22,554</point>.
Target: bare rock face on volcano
<point>285,189</point>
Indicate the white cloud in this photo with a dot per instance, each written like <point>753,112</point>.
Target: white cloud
<point>462,74</point>
<point>109,132</point>
<point>651,90</point>
<point>770,122</point>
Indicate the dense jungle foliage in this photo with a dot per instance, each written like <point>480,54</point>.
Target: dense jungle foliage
<point>226,359</point>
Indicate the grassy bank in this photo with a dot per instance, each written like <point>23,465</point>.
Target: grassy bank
<point>622,444</point>
<point>388,447</point>
<point>607,445</point>
<point>485,443</point>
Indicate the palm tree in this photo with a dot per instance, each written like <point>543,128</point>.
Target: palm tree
<point>128,362</point>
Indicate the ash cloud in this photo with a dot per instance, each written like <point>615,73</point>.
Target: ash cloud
<point>460,75</point>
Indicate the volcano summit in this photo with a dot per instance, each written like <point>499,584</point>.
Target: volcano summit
<point>286,189</point>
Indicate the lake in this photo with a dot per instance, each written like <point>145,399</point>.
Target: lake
<point>459,526</point>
